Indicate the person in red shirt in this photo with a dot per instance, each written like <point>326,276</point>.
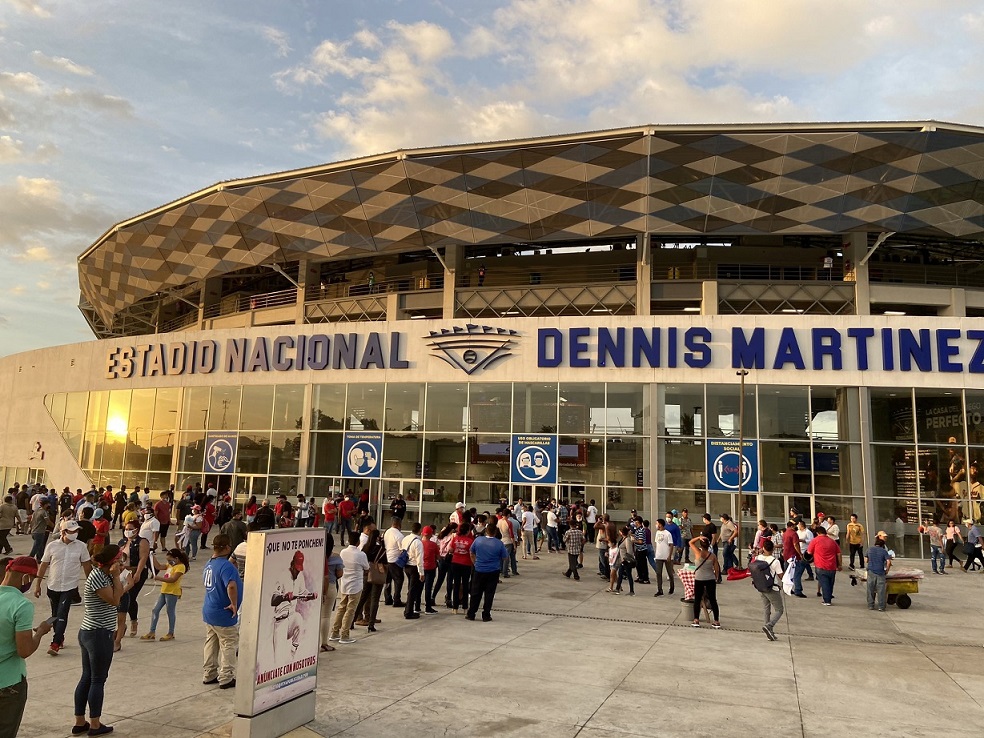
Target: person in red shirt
<point>208,520</point>
<point>101,524</point>
<point>162,511</point>
<point>431,550</point>
<point>827,562</point>
<point>792,555</point>
<point>346,509</point>
<point>328,512</point>
<point>461,567</point>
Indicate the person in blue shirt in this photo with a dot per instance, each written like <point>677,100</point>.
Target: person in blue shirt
<point>674,530</point>
<point>487,555</point>
<point>879,562</point>
<point>220,611</point>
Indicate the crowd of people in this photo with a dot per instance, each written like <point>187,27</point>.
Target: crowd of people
<point>456,565</point>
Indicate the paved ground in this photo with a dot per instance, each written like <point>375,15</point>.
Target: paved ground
<point>564,658</point>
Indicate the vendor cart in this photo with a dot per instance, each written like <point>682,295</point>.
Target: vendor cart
<point>899,584</point>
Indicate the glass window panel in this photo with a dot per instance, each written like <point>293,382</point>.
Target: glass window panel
<point>446,405</point>
<point>105,477</point>
<point>113,448</point>
<point>96,415</point>
<point>161,450</point>
<point>325,454</point>
<point>899,519</point>
<point>939,417</point>
<point>774,510</point>
<point>974,413</point>
<point>444,455</point>
<point>158,482</point>
<point>254,452</point>
<point>166,408</point>
<point>488,457</point>
<point>482,495</point>
<point>403,455</point>
<point>626,461</point>
<point>405,406</point>
<point>785,467</point>
<point>328,411</point>
<point>285,453</point>
<point>976,479</point>
<point>92,451</point>
<point>683,499</point>
<point>223,408</point>
<point>191,451</point>
<point>581,460</point>
<point>118,413</point>
<point>581,406</point>
<point>895,472</point>
<point>288,407</point>
<point>142,410</point>
<point>365,407</point>
<point>56,408</point>
<point>627,407</point>
<point>283,485</point>
<point>194,409</point>
<point>446,493</point>
<point>490,407</point>
<point>74,443</point>
<point>257,407</point>
<point>535,407</point>
<point>841,508</point>
<point>834,468</point>
<point>75,408</point>
<point>683,464</point>
<point>891,415</point>
<point>723,408</point>
<point>784,412</point>
<point>137,450</point>
<point>835,413</point>
<point>681,410</point>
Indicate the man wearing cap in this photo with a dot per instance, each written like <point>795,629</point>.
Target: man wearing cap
<point>223,596</point>
<point>17,642</point>
<point>65,559</point>
<point>286,624</point>
<point>879,564</point>
<point>458,516</point>
<point>826,557</point>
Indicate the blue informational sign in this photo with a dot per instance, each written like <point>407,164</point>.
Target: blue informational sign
<point>362,455</point>
<point>724,463</point>
<point>220,453</point>
<point>533,459</point>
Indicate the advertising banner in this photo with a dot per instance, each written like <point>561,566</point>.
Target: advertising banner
<point>280,618</point>
<point>533,459</point>
<point>220,453</point>
<point>362,455</point>
<point>725,463</point>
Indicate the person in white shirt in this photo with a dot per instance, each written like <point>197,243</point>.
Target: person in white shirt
<point>530,523</point>
<point>414,571</point>
<point>304,517</point>
<point>150,528</point>
<point>662,556</point>
<point>553,539</point>
<point>771,600</point>
<point>65,559</point>
<point>591,517</point>
<point>354,566</point>
<point>394,580</point>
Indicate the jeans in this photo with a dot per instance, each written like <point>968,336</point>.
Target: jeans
<point>625,572</point>
<point>951,552</point>
<point>686,551</point>
<point>799,568</point>
<point>553,543</point>
<point>221,645</point>
<point>529,544</point>
<point>876,591</point>
<point>414,590</point>
<point>641,566</point>
<point>976,554</point>
<point>37,550</point>
<point>171,602</point>
<point>504,568</point>
<point>825,578</point>
<point>935,552</point>
<point>604,568</point>
<point>394,577</point>
<point>706,588</point>
<point>444,572</point>
<point>460,585</point>
<point>857,548</point>
<point>661,566</point>
<point>5,547</point>
<point>191,548</point>
<point>730,560</point>
<point>97,656</point>
<point>134,591</point>
<point>773,606</point>
<point>483,590</point>
<point>572,566</point>
<point>13,699</point>
<point>429,576</point>
<point>61,602</point>
<point>512,559</point>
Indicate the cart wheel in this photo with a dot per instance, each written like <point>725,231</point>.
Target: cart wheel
<point>892,599</point>
<point>903,601</point>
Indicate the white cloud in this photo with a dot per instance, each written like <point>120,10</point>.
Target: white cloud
<point>95,101</point>
<point>20,82</point>
<point>10,149</point>
<point>60,64</point>
<point>278,38</point>
<point>35,253</point>
<point>43,284</point>
<point>29,7</point>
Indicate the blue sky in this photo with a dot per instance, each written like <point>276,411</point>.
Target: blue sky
<point>110,108</point>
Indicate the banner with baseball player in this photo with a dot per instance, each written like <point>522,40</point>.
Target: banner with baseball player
<point>281,615</point>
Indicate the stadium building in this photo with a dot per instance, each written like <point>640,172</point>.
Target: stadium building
<point>739,319</point>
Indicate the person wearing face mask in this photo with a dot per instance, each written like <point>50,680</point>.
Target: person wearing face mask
<point>64,561</point>
<point>17,642</point>
<point>177,565</point>
<point>137,550</point>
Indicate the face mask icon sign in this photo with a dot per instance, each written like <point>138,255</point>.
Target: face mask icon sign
<point>532,463</point>
<point>362,458</point>
<point>220,455</point>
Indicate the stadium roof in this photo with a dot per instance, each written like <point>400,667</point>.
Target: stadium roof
<point>920,179</point>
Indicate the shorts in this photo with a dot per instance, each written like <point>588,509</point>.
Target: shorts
<point>22,514</point>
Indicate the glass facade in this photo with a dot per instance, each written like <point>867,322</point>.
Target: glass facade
<point>625,445</point>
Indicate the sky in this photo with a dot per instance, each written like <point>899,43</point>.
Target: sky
<point>109,108</point>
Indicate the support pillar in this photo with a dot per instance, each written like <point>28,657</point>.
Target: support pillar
<point>309,278</point>
<point>454,256</point>
<point>644,275</point>
<point>854,247</point>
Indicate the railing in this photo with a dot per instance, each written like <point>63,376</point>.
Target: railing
<point>182,321</point>
<point>339,290</point>
<point>538,275</point>
<point>951,275</point>
<point>242,303</point>
<point>749,272</point>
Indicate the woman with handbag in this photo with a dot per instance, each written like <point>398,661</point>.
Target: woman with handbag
<point>626,560</point>
<point>705,581</point>
<point>365,612</point>
<point>953,538</point>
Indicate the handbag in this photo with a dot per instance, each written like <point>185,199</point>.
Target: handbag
<point>378,569</point>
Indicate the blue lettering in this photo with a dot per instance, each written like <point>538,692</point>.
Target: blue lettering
<point>300,360</point>
<point>373,354</point>
<point>671,348</point>
<point>699,354</point>
<point>827,342</point>
<point>204,357</point>
<point>177,355</point>
<point>888,350</point>
<point>910,350</point>
<point>861,336</point>
<point>396,349</point>
<point>318,351</point>
<point>976,365</point>
<point>611,348</point>
<point>343,350</point>
<point>280,362</point>
<point>643,344</point>
<point>547,339</point>
<point>788,351</point>
<point>579,347</point>
<point>235,355</point>
<point>944,351</point>
<point>745,353</point>
<point>258,357</point>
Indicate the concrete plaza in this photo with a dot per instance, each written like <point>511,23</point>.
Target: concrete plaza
<point>564,658</point>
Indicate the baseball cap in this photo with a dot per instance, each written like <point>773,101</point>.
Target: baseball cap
<point>24,565</point>
<point>674,511</point>
<point>881,534</point>
<point>69,525</point>
<point>427,531</point>
<point>459,505</point>
<point>821,515</point>
<point>298,561</point>
<point>98,513</point>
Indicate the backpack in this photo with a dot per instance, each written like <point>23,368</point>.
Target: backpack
<point>762,575</point>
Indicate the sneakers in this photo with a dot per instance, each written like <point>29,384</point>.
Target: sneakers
<point>231,684</point>
<point>695,624</point>
<point>54,648</point>
<point>799,594</point>
<point>769,633</point>
<point>716,626</point>
<point>828,604</point>
<point>469,616</point>
<point>347,641</point>
<point>486,618</point>
<point>430,611</point>
<point>332,638</point>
